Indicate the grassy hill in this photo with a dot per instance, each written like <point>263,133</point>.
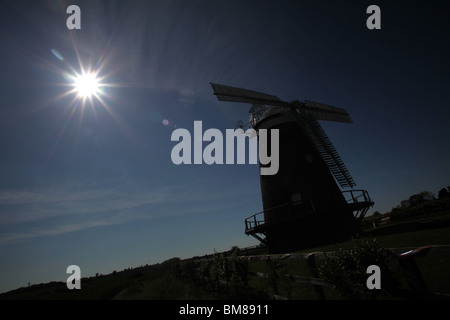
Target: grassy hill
<point>205,277</point>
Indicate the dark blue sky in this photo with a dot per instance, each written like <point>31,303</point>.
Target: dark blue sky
<point>95,186</point>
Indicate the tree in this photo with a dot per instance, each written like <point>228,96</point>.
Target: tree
<point>443,193</point>
<point>415,200</point>
<point>427,195</point>
<point>405,204</point>
<point>376,214</point>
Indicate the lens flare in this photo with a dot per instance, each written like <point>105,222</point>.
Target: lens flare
<point>57,54</point>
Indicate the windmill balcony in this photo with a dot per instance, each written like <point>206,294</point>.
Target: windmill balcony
<point>358,201</point>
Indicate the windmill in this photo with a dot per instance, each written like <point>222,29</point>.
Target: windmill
<point>303,206</point>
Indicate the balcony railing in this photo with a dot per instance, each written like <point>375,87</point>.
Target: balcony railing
<point>359,201</point>
<point>257,219</point>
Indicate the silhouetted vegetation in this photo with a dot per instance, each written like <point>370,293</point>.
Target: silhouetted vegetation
<point>346,271</point>
<point>421,205</point>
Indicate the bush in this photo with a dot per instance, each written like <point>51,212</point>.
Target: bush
<point>346,270</point>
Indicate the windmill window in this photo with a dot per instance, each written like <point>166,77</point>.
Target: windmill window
<point>296,199</point>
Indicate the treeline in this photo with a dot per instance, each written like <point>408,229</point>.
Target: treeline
<point>422,204</point>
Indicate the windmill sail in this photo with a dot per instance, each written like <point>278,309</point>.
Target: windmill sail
<point>328,153</point>
<point>233,94</point>
<point>326,112</point>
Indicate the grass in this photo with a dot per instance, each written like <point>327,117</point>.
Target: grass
<point>440,236</point>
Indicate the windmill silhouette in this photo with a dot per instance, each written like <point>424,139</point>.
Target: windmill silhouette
<point>303,206</point>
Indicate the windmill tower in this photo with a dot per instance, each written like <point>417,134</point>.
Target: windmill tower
<point>303,204</point>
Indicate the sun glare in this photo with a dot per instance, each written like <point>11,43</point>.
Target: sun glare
<point>87,85</point>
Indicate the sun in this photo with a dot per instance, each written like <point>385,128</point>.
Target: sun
<point>87,85</point>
